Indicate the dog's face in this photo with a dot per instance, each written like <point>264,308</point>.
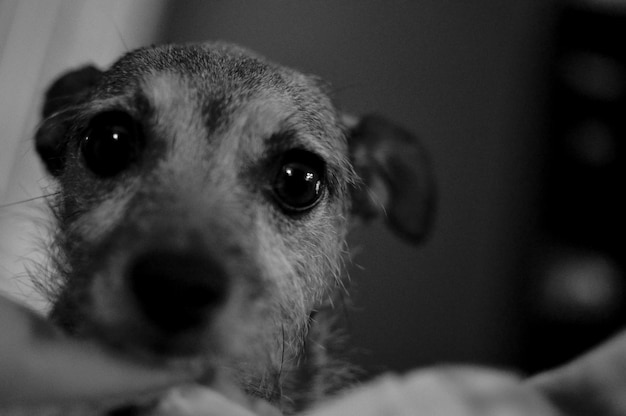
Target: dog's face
<point>205,195</point>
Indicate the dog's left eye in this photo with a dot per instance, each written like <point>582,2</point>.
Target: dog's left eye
<point>111,143</point>
<point>299,183</point>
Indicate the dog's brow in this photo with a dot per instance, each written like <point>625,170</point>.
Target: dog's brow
<point>295,131</point>
<point>289,138</point>
<point>128,103</point>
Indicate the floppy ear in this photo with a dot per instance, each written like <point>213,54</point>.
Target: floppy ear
<point>64,92</point>
<point>396,176</point>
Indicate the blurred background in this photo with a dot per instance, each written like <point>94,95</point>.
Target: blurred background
<point>520,104</point>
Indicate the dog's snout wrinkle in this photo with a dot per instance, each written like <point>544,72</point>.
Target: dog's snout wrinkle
<point>177,291</point>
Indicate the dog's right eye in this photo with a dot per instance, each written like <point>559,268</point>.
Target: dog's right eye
<point>111,143</point>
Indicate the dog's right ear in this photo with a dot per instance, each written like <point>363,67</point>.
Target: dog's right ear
<point>64,92</point>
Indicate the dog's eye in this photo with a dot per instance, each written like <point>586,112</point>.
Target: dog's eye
<point>299,184</point>
<point>111,143</point>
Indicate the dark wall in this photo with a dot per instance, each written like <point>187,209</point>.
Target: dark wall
<point>467,80</point>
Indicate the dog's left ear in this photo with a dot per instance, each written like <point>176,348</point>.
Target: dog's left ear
<point>395,174</point>
<point>64,92</point>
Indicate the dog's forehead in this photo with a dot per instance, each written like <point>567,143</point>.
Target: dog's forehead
<point>224,85</point>
<point>220,65</point>
<point>223,77</point>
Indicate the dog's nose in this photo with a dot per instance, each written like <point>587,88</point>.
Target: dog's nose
<point>176,291</point>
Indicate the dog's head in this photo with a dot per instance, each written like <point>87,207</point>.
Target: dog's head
<point>205,195</point>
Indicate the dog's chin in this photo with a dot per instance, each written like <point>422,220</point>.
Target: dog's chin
<point>143,341</point>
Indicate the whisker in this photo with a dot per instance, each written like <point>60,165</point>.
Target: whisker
<point>336,90</point>
<point>24,201</point>
<point>282,356</point>
<point>119,35</point>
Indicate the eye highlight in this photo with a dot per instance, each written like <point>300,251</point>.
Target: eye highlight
<point>111,143</point>
<point>300,181</point>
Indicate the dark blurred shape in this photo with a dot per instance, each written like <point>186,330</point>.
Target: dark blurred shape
<point>575,295</point>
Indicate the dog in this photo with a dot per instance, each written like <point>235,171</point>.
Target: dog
<point>204,198</point>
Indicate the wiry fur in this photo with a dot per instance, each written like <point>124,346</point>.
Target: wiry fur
<point>216,120</point>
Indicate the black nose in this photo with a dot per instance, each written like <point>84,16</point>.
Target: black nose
<point>176,291</point>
